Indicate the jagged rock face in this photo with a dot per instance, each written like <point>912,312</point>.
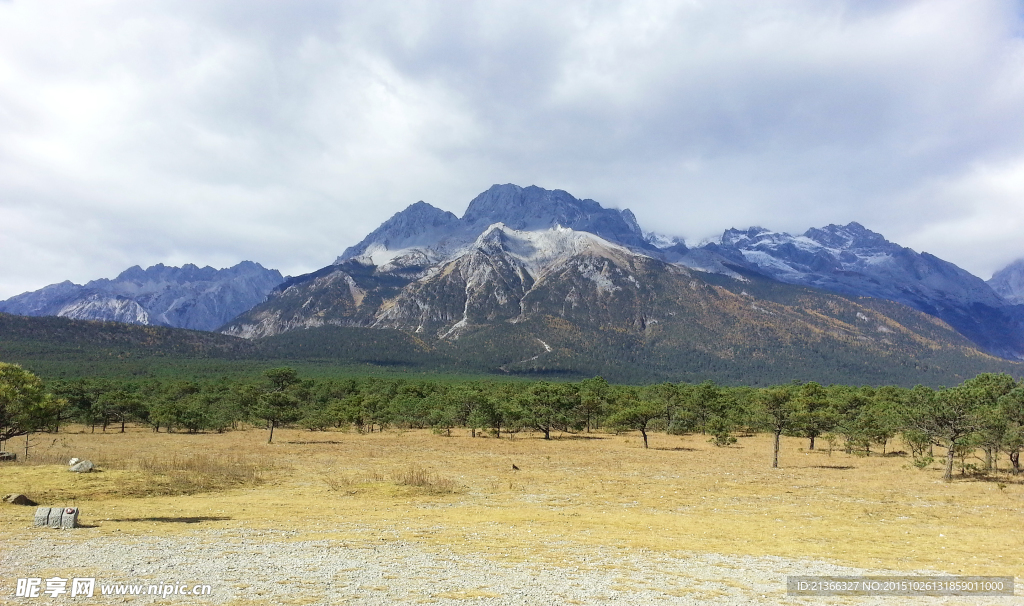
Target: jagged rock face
<point>853,260</point>
<point>199,298</point>
<point>531,301</point>
<point>346,294</point>
<point>105,308</point>
<point>418,226</point>
<point>1008,282</point>
<point>498,280</point>
<point>448,263</point>
<point>424,234</point>
<point>600,290</point>
<point>534,208</point>
<point>495,279</point>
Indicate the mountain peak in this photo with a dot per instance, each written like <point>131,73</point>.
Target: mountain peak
<point>419,224</point>
<point>853,260</point>
<point>491,237</point>
<point>519,208</point>
<point>1008,282</point>
<point>133,272</point>
<point>849,236</point>
<point>526,208</point>
<point>737,237</point>
<point>535,208</point>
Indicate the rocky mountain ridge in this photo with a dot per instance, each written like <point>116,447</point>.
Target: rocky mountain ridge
<point>417,244</point>
<point>496,271</point>
<point>570,303</point>
<point>525,255</point>
<point>199,298</point>
<point>856,261</point>
<point>430,234</point>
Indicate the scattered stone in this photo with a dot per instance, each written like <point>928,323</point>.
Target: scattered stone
<point>8,456</point>
<point>56,517</point>
<point>82,467</point>
<point>19,499</point>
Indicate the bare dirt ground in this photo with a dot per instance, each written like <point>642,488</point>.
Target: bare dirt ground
<point>414,517</point>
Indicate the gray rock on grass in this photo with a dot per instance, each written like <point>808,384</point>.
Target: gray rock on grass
<point>18,499</point>
<point>82,467</point>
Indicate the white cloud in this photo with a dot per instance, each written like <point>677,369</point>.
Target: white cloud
<point>982,222</point>
<point>283,132</point>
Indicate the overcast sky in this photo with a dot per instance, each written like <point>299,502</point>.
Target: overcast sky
<point>283,132</point>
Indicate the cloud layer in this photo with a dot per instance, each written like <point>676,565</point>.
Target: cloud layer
<point>212,132</point>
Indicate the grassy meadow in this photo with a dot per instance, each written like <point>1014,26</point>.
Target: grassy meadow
<point>681,495</point>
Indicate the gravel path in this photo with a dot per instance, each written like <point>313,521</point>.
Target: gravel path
<point>274,567</point>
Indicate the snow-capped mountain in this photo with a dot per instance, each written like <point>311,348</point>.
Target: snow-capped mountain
<point>200,298</point>
<point>534,208</point>
<point>856,261</point>
<point>425,234</point>
<point>493,279</point>
<point>427,270</point>
<point>418,227</point>
<point>483,281</point>
<point>563,301</point>
<point>519,256</point>
<point>1008,282</point>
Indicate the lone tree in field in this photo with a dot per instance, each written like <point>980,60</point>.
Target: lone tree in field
<point>277,408</point>
<point>635,409</point>
<point>952,415</point>
<point>777,409</point>
<point>278,405</point>
<point>815,415</point>
<point>281,378</point>
<point>546,406</point>
<point>24,406</point>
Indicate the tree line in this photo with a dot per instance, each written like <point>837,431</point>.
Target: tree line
<point>984,414</point>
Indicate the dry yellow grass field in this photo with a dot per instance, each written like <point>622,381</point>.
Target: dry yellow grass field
<point>597,489</point>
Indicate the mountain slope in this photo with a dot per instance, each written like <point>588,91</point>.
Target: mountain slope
<point>199,298</point>
<point>728,350</point>
<point>483,282</point>
<point>850,259</point>
<point>565,303</point>
<point>63,348</point>
<point>346,294</point>
<point>853,260</point>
